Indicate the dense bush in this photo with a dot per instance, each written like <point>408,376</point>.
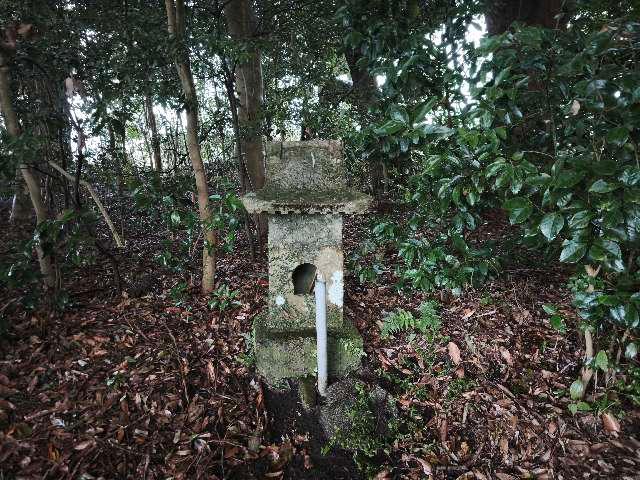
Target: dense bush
<point>542,123</point>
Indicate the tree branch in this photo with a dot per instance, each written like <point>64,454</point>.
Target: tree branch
<point>94,195</point>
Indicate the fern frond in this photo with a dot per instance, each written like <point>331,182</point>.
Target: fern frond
<point>402,320</point>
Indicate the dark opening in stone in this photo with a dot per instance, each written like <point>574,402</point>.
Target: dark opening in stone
<point>303,277</point>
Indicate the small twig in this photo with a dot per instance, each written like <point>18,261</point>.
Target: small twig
<point>484,314</point>
<point>179,359</point>
<point>587,372</point>
<point>39,414</point>
<point>6,305</point>
<point>195,244</point>
<point>94,195</point>
<point>137,330</point>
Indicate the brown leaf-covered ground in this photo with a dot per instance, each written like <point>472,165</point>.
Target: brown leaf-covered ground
<point>143,386</point>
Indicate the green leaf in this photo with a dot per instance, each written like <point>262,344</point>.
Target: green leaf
<point>175,217</point>
<point>495,167</point>
<point>551,225</point>
<point>576,390</point>
<point>580,220</point>
<point>425,108</point>
<point>538,180</point>
<point>519,209</point>
<point>501,76</point>
<point>557,322</point>
<point>517,156</point>
<point>602,361</point>
<point>390,127</point>
<point>631,351</point>
<point>439,130</point>
<point>501,132</point>
<point>630,176</point>
<point>583,407</point>
<point>472,197</point>
<point>603,249</point>
<point>572,251</point>
<point>550,309</point>
<point>618,136</point>
<point>568,178</point>
<point>399,113</point>
<point>600,186</point>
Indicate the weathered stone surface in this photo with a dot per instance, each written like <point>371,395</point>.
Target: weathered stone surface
<point>339,403</point>
<point>306,177</point>
<point>295,240</point>
<point>345,201</point>
<point>282,354</point>
<point>304,194</point>
<point>305,165</point>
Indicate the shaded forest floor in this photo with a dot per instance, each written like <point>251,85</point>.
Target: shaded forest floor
<point>147,386</point>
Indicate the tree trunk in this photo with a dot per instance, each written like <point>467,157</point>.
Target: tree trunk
<point>501,14</point>
<point>249,85</point>
<point>33,185</point>
<point>553,14</point>
<point>364,86</point>
<point>228,83</point>
<point>44,259</point>
<point>365,95</point>
<point>115,155</point>
<point>175,20</point>
<point>155,141</point>
<point>20,209</point>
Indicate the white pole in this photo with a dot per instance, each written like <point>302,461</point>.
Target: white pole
<point>321,332</point>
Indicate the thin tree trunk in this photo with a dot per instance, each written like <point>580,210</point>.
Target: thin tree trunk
<point>125,154</point>
<point>501,14</point>
<point>95,198</point>
<point>364,88</point>
<point>115,155</point>
<point>249,85</point>
<point>13,127</point>
<point>155,141</point>
<point>228,82</point>
<point>176,26</point>
<point>147,145</point>
<point>20,208</point>
<point>44,259</point>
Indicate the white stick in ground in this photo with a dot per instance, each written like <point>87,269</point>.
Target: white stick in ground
<point>321,333</point>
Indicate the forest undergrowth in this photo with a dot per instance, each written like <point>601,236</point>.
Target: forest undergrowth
<point>159,382</point>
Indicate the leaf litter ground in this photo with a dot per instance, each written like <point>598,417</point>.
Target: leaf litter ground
<point>137,386</point>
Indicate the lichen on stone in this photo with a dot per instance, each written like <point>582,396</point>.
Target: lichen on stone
<point>304,195</point>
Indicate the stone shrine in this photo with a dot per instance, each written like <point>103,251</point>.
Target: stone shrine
<point>304,196</point>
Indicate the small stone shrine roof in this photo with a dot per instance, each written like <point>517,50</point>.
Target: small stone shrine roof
<point>305,177</point>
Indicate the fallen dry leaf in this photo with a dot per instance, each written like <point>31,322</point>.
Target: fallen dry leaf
<point>84,445</point>
<point>575,107</point>
<point>454,353</point>
<point>383,475</point>
<point>443,430</point>
<point>610,423</point>
<point>468,313</point>
<point>504,476</point>
<point>506,354</point>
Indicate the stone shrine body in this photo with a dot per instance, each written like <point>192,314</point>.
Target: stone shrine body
<point>304,197</point>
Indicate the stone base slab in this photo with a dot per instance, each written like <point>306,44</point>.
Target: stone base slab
<point>292,354</point>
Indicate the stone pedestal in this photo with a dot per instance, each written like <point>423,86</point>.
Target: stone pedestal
<point>304,197</point>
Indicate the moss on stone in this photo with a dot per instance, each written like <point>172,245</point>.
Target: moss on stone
<point>307,391</point>
<point>304,193</point>
<point>292,353</point>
